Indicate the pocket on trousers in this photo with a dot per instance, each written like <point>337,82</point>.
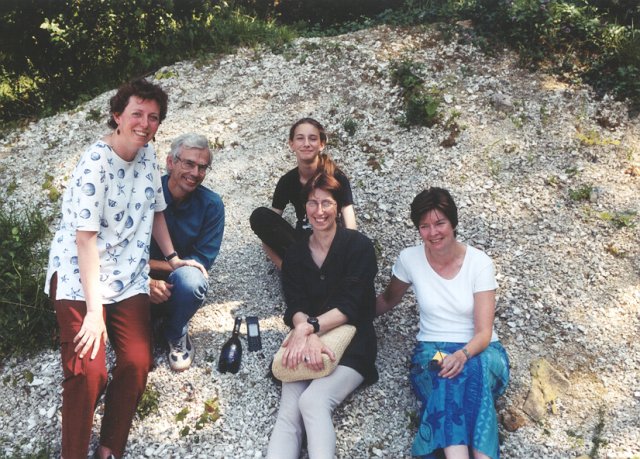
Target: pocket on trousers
<point>72,364</point>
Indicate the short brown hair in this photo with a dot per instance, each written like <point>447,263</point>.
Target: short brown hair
<point>142,89</point>
<point>434,199</point>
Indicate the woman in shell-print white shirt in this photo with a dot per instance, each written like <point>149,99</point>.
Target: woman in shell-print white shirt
<point>98,265</point>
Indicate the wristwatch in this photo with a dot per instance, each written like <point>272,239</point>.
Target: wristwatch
<point>314,321</point>
<point>171,256</point>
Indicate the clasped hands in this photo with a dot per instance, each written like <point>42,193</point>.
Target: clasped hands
<point>306,349</point>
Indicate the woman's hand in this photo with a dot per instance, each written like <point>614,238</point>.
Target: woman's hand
<point>177,262</point>
<point>295,348</point>
<point>453,364</point>
<point>159,291</point>
<point>91,334</point>
<point>313,353</point>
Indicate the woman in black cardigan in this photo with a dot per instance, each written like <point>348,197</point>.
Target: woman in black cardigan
<point>327,280</point>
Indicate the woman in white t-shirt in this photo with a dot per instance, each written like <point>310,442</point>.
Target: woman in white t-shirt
<point>98,271</point>
<point>458,366</point>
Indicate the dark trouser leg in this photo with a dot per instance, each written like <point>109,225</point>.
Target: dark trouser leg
<point>273,230</point>
<point>84,379</point>
<point>129,327</point>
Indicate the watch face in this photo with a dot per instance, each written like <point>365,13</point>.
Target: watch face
<point>314,321</point>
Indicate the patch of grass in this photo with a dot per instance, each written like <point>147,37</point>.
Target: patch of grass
<point>47,185</point>
<point>593,137</point>
<point>350,125</point>
<point>405,74</point>
<point>422,108</point>
<point>149,402</point>
<point>615,251</point>
<point>210,414</point>
<point>94,115</point>
<point>165,74</point>
<point>553,180</point>
<point>414,420</point>
<point>619,219</point>
<point>11,188</point>
<point>582,193</point>
<point>597,438</point>
<point>495,167</point>
<point>421,105</point>
<point>27,321</point>
<point>182,414</point>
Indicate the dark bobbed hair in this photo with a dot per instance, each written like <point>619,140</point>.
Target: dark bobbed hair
<point>325,182</point>
<point>140,88</point>
<point>325,163</point>
<point>434,199</point>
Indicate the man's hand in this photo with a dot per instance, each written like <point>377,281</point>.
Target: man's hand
<point>159,291</point>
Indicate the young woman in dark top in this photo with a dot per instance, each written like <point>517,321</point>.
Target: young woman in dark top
<point>307,139</point>
<point>327,279</point>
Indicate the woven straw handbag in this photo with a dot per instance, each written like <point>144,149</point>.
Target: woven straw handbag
<point>336,339</point>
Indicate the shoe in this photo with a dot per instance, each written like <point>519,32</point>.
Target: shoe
<point>181,353</point>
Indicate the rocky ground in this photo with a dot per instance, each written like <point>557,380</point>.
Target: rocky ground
<point>546,178</point>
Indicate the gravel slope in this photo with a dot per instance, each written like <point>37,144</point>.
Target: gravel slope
<point>569,278</point>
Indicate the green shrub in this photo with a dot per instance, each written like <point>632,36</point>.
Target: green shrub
<point>27,321</point>
<point>56,54</point>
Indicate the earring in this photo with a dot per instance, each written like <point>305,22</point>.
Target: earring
<point>118,131</point>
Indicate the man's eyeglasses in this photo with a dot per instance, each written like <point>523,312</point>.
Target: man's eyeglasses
<point>188,165</point>
<point>326,204</point>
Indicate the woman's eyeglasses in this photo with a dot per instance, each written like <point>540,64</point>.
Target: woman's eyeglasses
<point>326,204</point>
<point>188,165</point>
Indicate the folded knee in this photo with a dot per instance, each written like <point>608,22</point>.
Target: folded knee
<point>310,404</point>
<point>189,279</point>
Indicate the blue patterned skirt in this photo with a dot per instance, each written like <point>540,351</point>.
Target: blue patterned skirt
<point>458,411</point>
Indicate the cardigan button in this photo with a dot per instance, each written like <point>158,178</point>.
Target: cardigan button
<point>321,276</point>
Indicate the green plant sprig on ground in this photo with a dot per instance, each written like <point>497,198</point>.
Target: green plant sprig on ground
<point>421,105</point>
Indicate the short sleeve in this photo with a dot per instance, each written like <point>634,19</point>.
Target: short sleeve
<point>400,270</point>
<point>88,189</point>
<point>485,277</point>
<point>280,195</point>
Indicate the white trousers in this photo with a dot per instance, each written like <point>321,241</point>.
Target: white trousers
<point>308,406</point>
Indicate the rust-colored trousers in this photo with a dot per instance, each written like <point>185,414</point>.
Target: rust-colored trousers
<point>129,329</point>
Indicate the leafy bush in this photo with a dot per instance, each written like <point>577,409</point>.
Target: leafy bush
<point>58,53</point>
<point>27,321</point>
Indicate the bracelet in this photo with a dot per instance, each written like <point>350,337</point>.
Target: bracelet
<point>171,256</point>
<point>466,353</point>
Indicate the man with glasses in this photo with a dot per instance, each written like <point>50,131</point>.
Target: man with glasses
<point>195,218</point>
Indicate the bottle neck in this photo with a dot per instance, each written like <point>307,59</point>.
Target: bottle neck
<point>236,326</point>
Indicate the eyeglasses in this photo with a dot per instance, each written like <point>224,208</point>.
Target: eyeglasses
<point>326,204</point>
<point>188,165</point>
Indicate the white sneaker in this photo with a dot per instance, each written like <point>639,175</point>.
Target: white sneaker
<point>181,353</point>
